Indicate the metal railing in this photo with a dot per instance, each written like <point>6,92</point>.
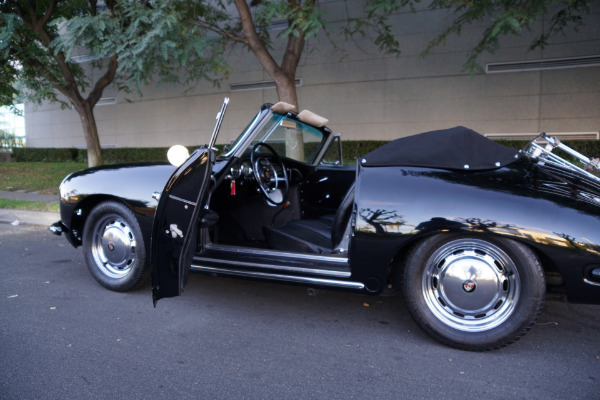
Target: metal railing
<point>9,141</point>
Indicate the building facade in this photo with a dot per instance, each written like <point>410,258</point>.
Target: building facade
<point>366,94</point>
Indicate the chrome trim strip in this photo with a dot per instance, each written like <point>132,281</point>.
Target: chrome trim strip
<point>591,282</point>
<point>338,274</point>
<point>182,200</point>
<point>279,277</point>
<point>278,253</point>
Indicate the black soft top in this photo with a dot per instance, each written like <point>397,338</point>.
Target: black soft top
<point>454,148</point>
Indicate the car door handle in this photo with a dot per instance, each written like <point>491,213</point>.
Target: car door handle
<point>175,231</point>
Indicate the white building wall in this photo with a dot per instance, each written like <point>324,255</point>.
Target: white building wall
<point>364,94</point>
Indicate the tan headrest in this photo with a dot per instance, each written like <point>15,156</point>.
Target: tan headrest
<point>282,107</point>
<point>312,119</point>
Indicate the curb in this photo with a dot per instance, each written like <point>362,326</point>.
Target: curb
<point>25,217</point>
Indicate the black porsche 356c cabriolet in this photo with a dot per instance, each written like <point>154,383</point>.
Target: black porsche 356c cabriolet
<point>472,233</point>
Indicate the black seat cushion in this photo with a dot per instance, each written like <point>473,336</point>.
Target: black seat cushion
<point>318,236</point>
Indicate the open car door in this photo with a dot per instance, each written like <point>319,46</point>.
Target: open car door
<point>179,217</point>
<point>175,229</point>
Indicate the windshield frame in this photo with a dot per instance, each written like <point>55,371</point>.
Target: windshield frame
<point>264,116</point>
<point>239,145</point>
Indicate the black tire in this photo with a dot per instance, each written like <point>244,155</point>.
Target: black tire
<point>473,293</point>
<point>113,247</point>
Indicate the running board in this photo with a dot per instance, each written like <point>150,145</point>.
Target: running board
<point>280,277</point>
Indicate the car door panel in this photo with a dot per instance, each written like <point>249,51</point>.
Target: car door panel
<point>176,224</point>
<point>323,190</point>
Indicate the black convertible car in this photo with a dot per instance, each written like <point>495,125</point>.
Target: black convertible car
<point>471,232</point>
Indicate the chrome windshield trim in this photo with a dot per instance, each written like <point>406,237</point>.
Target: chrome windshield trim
<point>324,148</point>
<point>280,277</point>
<point>240,145</point>
<point>334,258</point>
<point>277,267</point>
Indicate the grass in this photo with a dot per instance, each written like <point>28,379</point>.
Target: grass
<point>38,177</point>
<point>29,205</point>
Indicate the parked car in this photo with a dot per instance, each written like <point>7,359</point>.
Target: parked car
<point>472,233</point>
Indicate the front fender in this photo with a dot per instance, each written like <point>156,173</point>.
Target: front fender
<point>131,184</point>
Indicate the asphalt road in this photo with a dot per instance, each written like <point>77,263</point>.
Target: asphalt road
<point>62,336</point>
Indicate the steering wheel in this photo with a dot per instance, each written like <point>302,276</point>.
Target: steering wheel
<point>273,187</point>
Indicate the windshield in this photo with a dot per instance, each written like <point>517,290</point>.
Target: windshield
<point>234,147</point>
<point>289,137</point>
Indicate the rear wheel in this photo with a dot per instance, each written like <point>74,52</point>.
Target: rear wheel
<point>114,248</point>
<point>474,293</point>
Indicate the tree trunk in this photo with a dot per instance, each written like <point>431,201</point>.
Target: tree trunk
<point>90,132</point>
<point>286,89</point>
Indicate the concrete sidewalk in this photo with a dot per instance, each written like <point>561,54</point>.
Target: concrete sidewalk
<point>17,217</point>
<point>30,196</point>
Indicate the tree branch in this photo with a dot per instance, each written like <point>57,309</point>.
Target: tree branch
<point>104,81</point>
<point>295,44</point>
<point>48,13</point>
<point>253,41</point>
<point>292,55</point>
<point>46,39</point>
<point>21,13</point>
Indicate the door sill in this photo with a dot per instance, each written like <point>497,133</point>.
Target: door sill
<point>306,280</point>
<point>223,257</point>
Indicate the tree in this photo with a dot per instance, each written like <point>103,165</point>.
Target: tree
<point>296,12</point>
<point>306,19</point>
<point>135,42</point>
<point>130,42</point>
<point>7,89</point>
<point>500,18</point>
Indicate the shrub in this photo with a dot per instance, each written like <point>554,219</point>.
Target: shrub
<point>351,149</point>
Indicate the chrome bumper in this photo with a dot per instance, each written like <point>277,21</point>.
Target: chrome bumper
<point>57,228</point>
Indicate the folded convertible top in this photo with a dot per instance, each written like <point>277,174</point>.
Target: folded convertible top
<point>454,148</point>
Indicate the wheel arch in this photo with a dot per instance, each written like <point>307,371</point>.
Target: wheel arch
<point>398,262</point>
<point>81,211</point>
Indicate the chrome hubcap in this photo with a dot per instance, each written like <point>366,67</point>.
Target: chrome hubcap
<point>113,247</point>
<point>471,285</point>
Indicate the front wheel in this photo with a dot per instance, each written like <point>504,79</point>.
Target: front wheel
<point>113,247</point>
<point>473,293</point>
